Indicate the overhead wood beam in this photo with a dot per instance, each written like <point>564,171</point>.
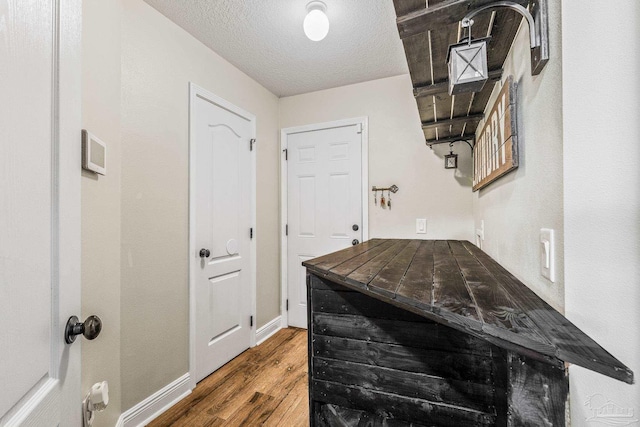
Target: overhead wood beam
<point>443,86</point>
<point>465,138</point>
<point>474,118</point>
<point>434,17</point>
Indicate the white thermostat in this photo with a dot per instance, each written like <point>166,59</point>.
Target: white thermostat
<point>94,153</point>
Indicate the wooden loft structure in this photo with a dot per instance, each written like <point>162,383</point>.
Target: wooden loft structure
<point>426,33</point>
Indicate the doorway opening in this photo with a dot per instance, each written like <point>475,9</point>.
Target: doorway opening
<point>324,183</point>
<point>222,234</point>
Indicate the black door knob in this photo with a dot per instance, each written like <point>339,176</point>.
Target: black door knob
<point>355,227</point>
<point>205,253</point>
<point>90,329</point>
<point>355,242</point>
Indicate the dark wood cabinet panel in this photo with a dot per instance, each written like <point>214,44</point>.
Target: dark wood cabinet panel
<point>436,333</point>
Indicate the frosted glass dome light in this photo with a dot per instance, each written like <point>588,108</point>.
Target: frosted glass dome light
<point>316,23</point>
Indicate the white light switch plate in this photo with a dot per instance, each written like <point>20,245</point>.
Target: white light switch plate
<point>547,254</point>
<point>421,226</point>
<point>480,231</point>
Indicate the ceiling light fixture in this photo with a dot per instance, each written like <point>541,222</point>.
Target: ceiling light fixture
<point>316,23</point>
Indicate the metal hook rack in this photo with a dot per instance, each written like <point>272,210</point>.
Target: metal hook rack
<point>394,188</point>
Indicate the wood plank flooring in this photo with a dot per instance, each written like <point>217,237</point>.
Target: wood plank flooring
<point>264,386</point>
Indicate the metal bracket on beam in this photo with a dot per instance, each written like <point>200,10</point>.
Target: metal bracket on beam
<point>540,54</point>
<point>470,140</point>
<point>537,20</point>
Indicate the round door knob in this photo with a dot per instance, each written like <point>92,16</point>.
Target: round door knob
<point>205,253</point>
<point>355,242</point>
<point>90,328</point>
<point>355,227</point>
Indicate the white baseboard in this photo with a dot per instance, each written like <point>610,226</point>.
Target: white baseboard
<point>156,404</point>
<point>153,406</point>
<point>266,331</point>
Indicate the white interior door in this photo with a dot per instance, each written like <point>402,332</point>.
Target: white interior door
<point>39,211</point>
<point>223,220</point>
<point>324,206</point>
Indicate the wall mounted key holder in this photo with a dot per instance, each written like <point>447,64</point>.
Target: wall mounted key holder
<point>384,202</point>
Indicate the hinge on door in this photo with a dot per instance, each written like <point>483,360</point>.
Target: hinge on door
<point>251,142</point>
<point>286,229</point>
<point>251,233</point>
<point>287,305</point>
<point>251,321</point>
<point>286,154</point>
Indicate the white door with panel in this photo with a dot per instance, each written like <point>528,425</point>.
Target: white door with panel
<point>39,211</point>
<point>223,208</point>
<point>324,203</point>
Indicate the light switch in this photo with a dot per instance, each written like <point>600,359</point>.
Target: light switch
<point>547,254</point>
<point>480,231</point>
<point>421,226</point>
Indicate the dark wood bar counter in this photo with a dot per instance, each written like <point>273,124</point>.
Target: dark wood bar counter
<point>436,333</point>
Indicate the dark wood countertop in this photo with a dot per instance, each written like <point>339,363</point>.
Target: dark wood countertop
<point>456,284</point>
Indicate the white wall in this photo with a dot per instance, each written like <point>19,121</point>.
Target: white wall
<point>101,201</point>
<point>159,59</point>
<point>397,155</point>
<point>601,107</point>
<point>515,207</point>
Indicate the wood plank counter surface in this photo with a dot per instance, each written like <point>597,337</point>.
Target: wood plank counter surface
<point>456,284</point>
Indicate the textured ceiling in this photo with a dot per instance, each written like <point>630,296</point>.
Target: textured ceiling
<point>264,38</point>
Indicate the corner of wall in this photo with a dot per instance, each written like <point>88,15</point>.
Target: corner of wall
<point>601,198</point>
<point>100,203</point>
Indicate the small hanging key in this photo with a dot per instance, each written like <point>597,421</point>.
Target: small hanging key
<point>389,200</point>
<point>375,197</point>
<point>382,201</point>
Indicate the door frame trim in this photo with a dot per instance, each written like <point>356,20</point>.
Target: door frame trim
<point>196,91</point>
<point>364,153</point>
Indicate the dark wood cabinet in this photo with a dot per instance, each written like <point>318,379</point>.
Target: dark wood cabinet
<point>436,333</point>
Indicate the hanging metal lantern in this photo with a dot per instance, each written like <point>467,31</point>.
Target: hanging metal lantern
<point>451,160</point>
<point>468,70</point>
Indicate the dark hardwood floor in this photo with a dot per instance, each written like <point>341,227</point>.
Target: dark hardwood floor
<point>264,386</point>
